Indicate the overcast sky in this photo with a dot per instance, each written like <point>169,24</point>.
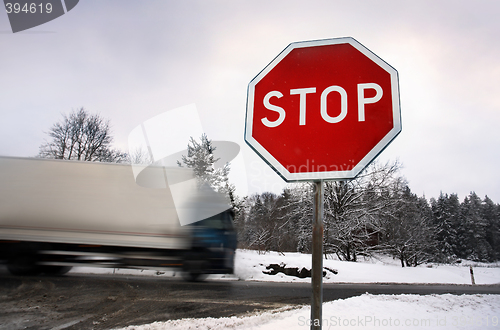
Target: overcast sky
<point>131,60</point>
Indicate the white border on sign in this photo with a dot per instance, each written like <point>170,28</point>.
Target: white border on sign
<point>330,175</point>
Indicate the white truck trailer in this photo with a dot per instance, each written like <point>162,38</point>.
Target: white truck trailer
<point>55,214</point>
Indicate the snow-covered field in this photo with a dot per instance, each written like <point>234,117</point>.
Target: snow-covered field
<point>363,312</point>
<point>382,269</point>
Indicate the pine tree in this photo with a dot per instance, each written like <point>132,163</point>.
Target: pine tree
<point>200,157</point>
<point>473,230</point>
<point>446,215</point>
<point>258,233</point>
<point>299,208</point>
<point>287,222</point>
<point>491,213</point>
<point>410,234</point>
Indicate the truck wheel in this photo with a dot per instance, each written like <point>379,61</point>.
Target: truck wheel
<point>194,276</point>
<point>55,270</point>
<point>24,266</point>
<point>195,267</point>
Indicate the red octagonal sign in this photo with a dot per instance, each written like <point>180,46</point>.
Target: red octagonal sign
<point>323,109</point>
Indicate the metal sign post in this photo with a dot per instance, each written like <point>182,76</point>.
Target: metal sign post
<point>317,257</point>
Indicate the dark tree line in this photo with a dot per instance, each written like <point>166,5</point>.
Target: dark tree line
<point>376,212</point>
<point>468,230</point>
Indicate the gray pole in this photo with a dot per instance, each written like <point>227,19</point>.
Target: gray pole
<point>317,257</point>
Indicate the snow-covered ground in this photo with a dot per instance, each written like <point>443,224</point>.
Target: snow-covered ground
<point>363,312</point>
<point>382,269</point>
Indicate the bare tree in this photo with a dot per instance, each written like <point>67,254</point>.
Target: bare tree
<point>139,156</point>
<point>355,211</point>
<point>81,136</point>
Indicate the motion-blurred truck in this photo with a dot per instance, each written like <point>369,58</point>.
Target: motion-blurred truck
<point>56,214</point>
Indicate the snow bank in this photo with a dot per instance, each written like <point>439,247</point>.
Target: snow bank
<point>365,312</point>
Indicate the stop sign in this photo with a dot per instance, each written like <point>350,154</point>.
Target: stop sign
<point>323,109</point>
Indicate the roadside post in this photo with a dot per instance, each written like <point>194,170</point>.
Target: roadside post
<point>322,110</point>
<point>317,256</point>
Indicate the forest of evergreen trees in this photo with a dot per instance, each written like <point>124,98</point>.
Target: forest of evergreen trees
<point>375,213</point>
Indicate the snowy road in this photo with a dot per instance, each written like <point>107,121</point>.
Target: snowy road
<point>109,301</point>
<point>98,299</point>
